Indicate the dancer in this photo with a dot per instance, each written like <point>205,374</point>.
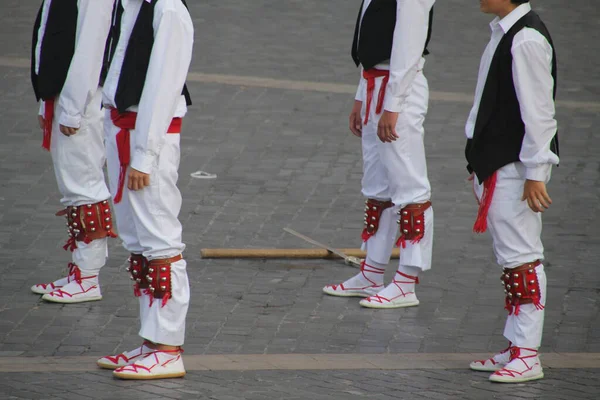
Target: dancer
<point>390,42</point>
<point>148,57</point>
<point>511,147</point>
<point>69,38</point>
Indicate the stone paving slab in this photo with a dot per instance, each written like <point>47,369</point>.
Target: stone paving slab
<point>301,385</point>
<point>258,362</point>
<point>283,158</point>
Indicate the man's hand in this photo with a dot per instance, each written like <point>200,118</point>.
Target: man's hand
<point>355,120</point>
<point>68,131</point>
<point>386,129</point>
<point>137,180</point>
<point>471,178</point>
<point>41,121</point>
<point>536,195</point>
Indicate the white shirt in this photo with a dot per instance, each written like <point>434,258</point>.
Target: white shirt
<point>93,24</point>
<point>410,34</point>
<point>534,85</point>
<point>161,99</point>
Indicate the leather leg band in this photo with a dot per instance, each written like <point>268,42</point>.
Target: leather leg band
<point>138,269</point>
<point>159,277</point>
<point>87,223</point>
<point>521,286</point>
<point>412,223</point>
<point>373,210</point>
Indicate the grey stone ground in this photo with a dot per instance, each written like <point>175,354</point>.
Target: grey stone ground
<point>284,158</point>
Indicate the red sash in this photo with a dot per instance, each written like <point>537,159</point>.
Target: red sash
<point>48,119</point>
<point>370,75</point>
<point>126,122</point>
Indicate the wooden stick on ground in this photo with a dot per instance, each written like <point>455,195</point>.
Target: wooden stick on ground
<point>283,253</point>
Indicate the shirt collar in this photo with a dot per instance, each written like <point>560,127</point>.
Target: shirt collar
<point>508,21</point>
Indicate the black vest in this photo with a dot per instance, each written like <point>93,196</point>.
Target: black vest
<point>137,56</point>
<point>58,47</point>
<point>499,128</point>
<point>374,35</point>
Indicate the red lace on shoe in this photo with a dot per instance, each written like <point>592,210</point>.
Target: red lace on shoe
<point>46,285</point>
<point>137,367</point>
<point>363,269</point>
<point>115,359</point>
<point>482,362</point>
<point>515,354</point>
<point>60,293</point>
<point>380,299</point>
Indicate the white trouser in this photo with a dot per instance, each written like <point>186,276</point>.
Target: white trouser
<point>78,165</point>
<point>516,231</point>
<point>397,171</point>
<point>148,224</point>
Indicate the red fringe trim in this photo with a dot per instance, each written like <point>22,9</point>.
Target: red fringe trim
<point>401,242</point>
<point>48,119</point>
<point>517,307</point>
<point>165,299</point>
<point>366,235</point>
<point>71,245</point>
<point>75,271</point>
<point>489,185</point>
<point>123,150</point>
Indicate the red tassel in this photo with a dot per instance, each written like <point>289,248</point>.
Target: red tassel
<point>123,150</point>
<point>365,235</point>
<point>381,96</point>
<point>401,242</point>
<point>489,185</point>
<point>370,88</point>
<point>48,120</point>
<point>517,308</point>
<point>370,76</point>
<point>136,290</point>
<point>75,271</point>
<point>71,245</point>
<point>417,240</point>
<point>166,298</point>
<point>508,306</point>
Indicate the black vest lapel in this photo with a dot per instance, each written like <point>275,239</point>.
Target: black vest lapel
<point>111,41</point>
<point>356,31</point>
<point>490,91</point>
<point>374,33</point>
<point>499,127</point>
<point>429,32</point>
<point>58,47</point>
<point>34,41</point>
<point>137,59</point>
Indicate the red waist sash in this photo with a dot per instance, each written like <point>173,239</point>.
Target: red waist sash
<point>48,119</point>
<point>370,75</point>
<point>126,121</point>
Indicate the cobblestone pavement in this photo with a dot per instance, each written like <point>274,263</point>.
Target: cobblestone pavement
<point>283,158</point>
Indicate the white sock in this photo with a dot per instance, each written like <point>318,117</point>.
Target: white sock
<point>371,274</point>
<point>402,284</point>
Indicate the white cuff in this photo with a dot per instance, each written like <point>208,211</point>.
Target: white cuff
<point>393,104</point>
<point>72,121</point>
<point>142,161</point>
<point>360,91</point>
<point>42,110</point>
<point>538,173</point>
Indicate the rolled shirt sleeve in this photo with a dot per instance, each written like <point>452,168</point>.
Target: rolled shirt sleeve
<point>93,24</point>
<point>534,85</point>
<point>167,72</point>
<point>410,35</point>
<point>361,90</point>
